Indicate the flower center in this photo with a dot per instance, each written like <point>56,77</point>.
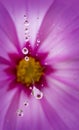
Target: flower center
<point>29,71</point>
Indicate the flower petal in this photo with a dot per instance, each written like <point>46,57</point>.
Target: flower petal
<point>4,61</point>
<point>64,98</point>
<point>34,11</point>
<point>53,118</point>
<point>10,117</point>
<point>67,72</point>
<point>33,117</point>
<point>59,32</point>
<point>8,40</point>
<point>5,99</point>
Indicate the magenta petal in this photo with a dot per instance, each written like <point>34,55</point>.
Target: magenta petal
<point>59,10</point>
<point>62,98</point>
<point>59,32</point>
<point>7,29</point>
<point>59,38</point>
<point>33,118</point>
<point>34,11</point>
<point>4,61</point>
<point>53,118</point>
<point>5,99</point>
<point>11,116</point>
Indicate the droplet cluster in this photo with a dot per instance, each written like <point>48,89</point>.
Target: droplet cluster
<point>26,28</point>
<point>35,92</point>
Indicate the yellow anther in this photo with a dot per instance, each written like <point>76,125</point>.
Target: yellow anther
<point>29,71</point>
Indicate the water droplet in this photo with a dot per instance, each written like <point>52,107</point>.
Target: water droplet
<point>26,103</point>
<point>26,58</point>
<point>27,39</point>
<point>20,112</point>
<point>26,31</point>
<point>37,93</point>
<point>26,23</point>
<point>24,15</point>
<point>38,40</point>
<point>25,50</point>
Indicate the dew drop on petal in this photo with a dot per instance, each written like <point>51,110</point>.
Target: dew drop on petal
<point>27,39</point>
<point>26,103</point>
<point>26,30</point>
<point>38,40</point>
<point>25,50</point>
<point>24,15</point>
<point>26,58</point>
<point>37,93</point>
<point>20,112</point>
<point>26,23</point>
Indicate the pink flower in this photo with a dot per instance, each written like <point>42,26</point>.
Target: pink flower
<point>39,65</point>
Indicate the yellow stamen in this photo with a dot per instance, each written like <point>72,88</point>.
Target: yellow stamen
<point>29,71</point>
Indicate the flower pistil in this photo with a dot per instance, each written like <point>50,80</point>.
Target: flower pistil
<point>29,71</point>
